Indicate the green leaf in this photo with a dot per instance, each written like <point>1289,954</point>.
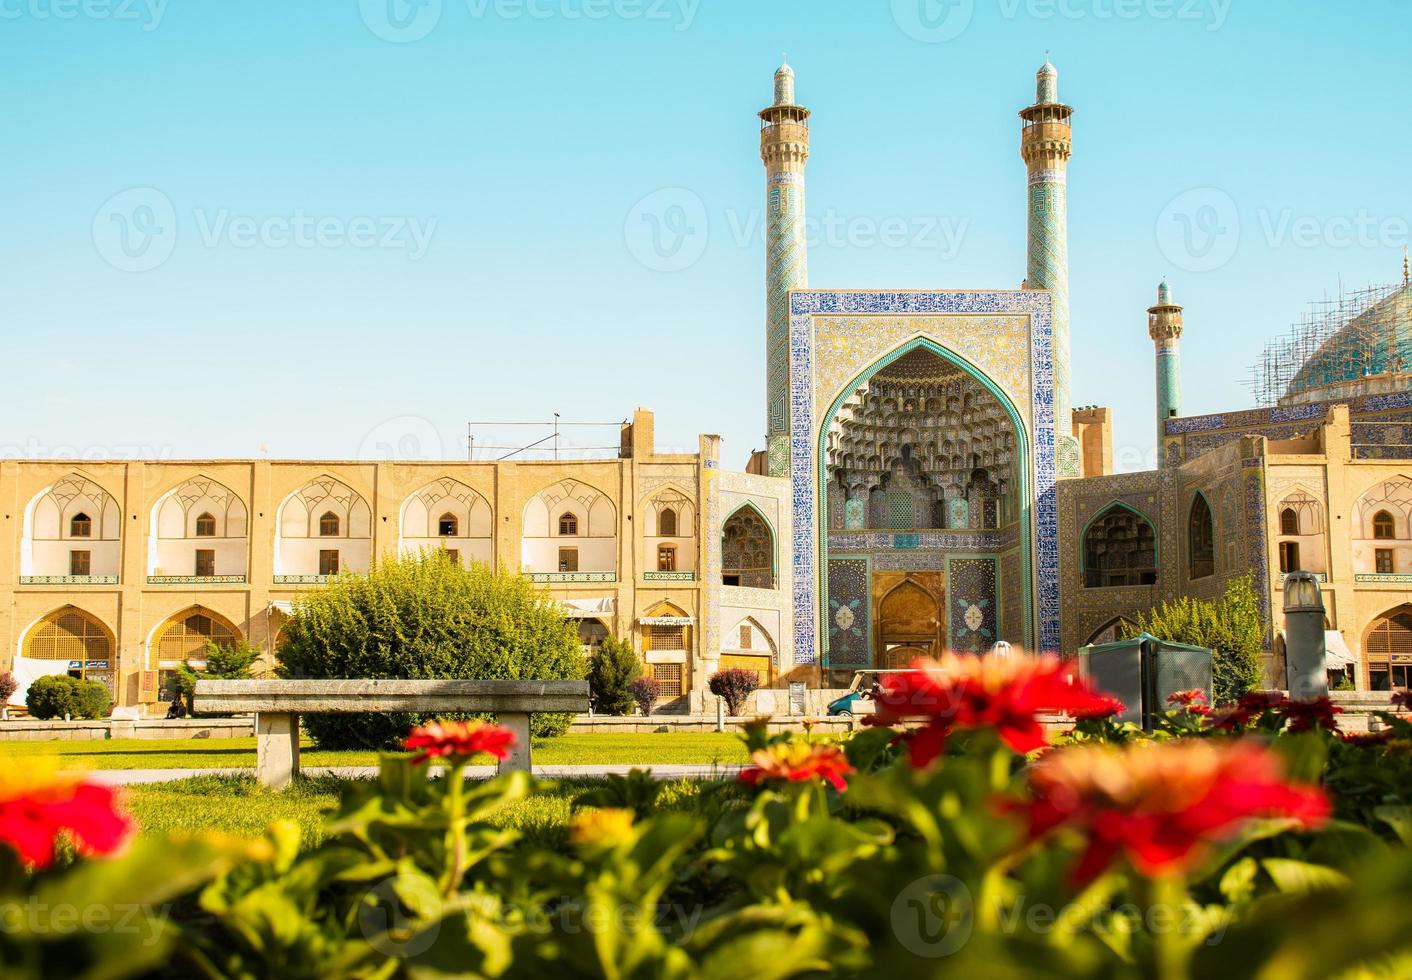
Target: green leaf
<point>1301,877</point>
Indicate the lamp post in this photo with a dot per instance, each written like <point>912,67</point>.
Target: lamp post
<point>1304,637</point>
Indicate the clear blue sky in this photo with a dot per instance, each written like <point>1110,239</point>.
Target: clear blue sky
<point>522,138</point>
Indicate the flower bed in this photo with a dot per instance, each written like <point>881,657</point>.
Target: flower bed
<point>947,838</point>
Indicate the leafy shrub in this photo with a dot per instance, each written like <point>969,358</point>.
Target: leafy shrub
<point>611,671</point>
<point>57,695</point>
<point>425,617</point>
<point>1231,627</point>
<point>734,686</point>
<point>644,693</point>
<point>8,686</point>
<point>234,662</point>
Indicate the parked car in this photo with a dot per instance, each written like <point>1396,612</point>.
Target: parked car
<point>859,699</point>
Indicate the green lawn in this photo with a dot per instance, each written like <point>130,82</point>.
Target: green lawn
<point>237,805</point>
<point>645,749</point>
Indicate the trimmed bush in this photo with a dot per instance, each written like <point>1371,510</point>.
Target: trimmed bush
<point>58,695</point>
<point>425,617</point>
<point>644,693</point>
<point>611,671</point>
<point>734,686</point>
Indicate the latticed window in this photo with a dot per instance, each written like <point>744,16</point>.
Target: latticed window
<point>568,525</point>
<point>1389,651</point>
<point>666,637</point>
<point>1289,521</point>
<point>899,510</point>
<point>448,526</point>
<point>186,637</point>
<point>1120,548</point>
<point>70,636</point>
<point>745,633</point>
<point>1384,527</point>
<point>667,523</point>
<point>669,680</point>
<point>666,559</point>
<point>328,561</point>
<point>80,563</point>
<point>1201,539</point>
<point>328,525</point>
<point>81,526</point>
<point>748,550</point>
<point>206,526</point>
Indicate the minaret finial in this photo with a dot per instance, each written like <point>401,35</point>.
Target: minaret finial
<point>1406,268</point>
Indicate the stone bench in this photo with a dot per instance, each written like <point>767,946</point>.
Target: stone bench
<point>277,705</point>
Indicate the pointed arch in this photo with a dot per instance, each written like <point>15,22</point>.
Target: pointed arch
<point>198,529</point>
<point>570,529</point>
<point>1119,548</point>
<point>184,636</point>
<point>76,636</point>
<point>73,516</point>
<point>1387,649</point>
<point>1200,538</point>
<point>303,552</point>
<point>446,504</point>
<point>748,549</point>
<point>1110,632</point>
<point>1382,528</point>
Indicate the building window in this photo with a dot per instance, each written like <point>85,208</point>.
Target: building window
<point>205,562</point>
<point>1383,559</point>
<point>1384,528</point>
<point>205,526</point>
<point>454,555</point>
<point>81,526</point>
<point>447,526</point>
<point>568,559</point>
<point>328,561</point>
<point>669,680</point>
<point>667,523</point>
<point>328,525</point>
<point>1201,539</point>
<point>1289,521</point>
<point>1120,548</point>
<point>666,559</point>
<point>80,563</point>
<point>666,637</point>
<point>71,635</point>
<point>747,550</point>
<point>1389,651</point>
<point>568,526</point>
<point>1289,556</point>
<point>745,633</point>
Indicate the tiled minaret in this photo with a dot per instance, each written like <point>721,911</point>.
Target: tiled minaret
<point>1164,326</point>
<point>1046,143</point>
<point>784,147</point>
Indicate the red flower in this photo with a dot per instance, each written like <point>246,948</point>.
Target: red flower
<point>459,740</point>
<point>966,691</point>
<point>798,762</point>
<point>1251,705</point>
<point>1157,804</point>
<point>1368,739</point>
<point>1305,716</point>
<point>1193,701</point>
<point>1104,706</point>
<point>36,809</point>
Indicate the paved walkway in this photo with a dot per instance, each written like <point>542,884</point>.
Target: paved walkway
<point>134,777</point>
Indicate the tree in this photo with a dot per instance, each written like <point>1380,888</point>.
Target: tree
<point>611,671</point>
<point>734,686</point>
<point>59,695</point>
<point>8,686</point>
<point>1231,627</point>
<point>644,693</point>
<point>425,617</point>
<point>233,662</point>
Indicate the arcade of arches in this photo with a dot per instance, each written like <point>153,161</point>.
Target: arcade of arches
<point>923,467</point>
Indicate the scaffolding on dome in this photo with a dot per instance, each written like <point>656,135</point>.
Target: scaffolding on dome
<point>1339,339</point>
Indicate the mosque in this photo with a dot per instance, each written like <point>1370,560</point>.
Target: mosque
<point>926,484</point>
